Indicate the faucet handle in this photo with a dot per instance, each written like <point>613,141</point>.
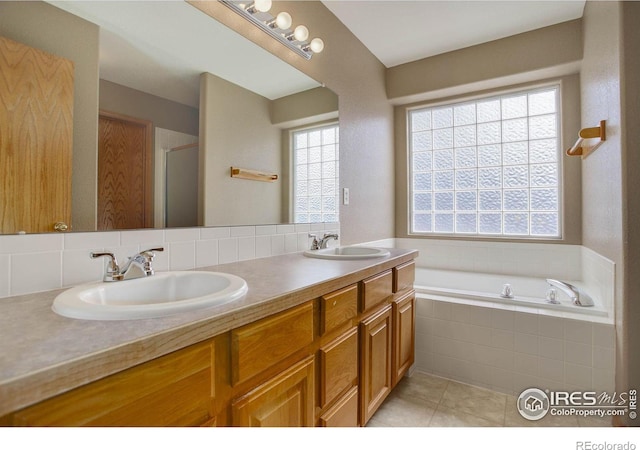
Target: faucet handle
<point>112,270</point>
<point>150,253</point>
<point>315,243</point>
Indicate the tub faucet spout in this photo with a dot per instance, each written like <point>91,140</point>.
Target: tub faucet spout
<point>578,297</point>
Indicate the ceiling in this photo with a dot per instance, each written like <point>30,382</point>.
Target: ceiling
<point>162,47</point>
<point>397,32</point>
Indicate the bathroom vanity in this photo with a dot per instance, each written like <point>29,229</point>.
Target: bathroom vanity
<point>314,343</point>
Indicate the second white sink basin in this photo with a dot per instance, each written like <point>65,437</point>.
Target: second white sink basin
<point>342,253</point>
<point>159,295</point>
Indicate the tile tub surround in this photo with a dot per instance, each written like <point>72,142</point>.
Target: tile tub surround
<point>44,354</point>
<point>42,262</point>
<point>509,351</point>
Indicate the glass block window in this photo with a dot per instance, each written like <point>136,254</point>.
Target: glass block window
<point>487,167</point>
<point>315,174</point>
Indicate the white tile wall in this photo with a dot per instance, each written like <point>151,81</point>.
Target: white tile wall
<point>507,258</point>
<point>42,262</point>
<point>510,351</point>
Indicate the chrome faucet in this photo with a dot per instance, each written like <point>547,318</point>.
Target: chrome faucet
<point>317,244</point>
<point>578,297</point>
<point>142,260</point>
<point>325,239</point>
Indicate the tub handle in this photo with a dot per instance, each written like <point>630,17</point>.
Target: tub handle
<point>507,291</point>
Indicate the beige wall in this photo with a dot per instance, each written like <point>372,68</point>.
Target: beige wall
<point>601,171</point>
<point>492,64</point>
<point>236,130</point>
<point>472,57</point>
<point>366,118</point>
<point>610,90</point>
<point>162,112</point>
<point>304,108</point>
<point>39,25</point>
<point>630,333</point>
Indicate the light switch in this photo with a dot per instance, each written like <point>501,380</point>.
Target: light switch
<point>345,196</point>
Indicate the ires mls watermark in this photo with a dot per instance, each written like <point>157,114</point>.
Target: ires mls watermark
<point>534,404</point>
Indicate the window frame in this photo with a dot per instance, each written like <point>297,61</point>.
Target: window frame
<point>293,171</point>
<point>474,98</point>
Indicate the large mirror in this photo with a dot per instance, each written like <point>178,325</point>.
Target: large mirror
<point>186,96</point>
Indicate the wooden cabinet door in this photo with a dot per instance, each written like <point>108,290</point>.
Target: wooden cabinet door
<point>403,335</point>
<point>36,139</point>
<point>338,366</point>
<point>375,362</point>
<point>287,400</point>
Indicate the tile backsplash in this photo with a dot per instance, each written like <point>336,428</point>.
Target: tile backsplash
<point>41,262</point>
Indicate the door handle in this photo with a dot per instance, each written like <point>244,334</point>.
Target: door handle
<point>60,227</point>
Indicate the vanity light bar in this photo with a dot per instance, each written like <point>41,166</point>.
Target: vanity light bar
<point>268,25</point>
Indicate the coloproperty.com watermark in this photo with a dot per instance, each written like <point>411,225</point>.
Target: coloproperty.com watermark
<point>535,404</point>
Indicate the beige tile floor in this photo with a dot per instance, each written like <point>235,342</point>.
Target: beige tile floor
<point>423,400</point>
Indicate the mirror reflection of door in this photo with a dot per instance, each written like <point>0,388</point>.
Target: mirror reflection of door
<point>36,139</point>
<point>181,207</point>
<point>124,173</point>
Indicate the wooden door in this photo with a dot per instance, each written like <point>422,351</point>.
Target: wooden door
<point>403,335</point>
<point>124,173</point>
<point>375,362</point>
<point>36,138</point>
<point>287,400</point>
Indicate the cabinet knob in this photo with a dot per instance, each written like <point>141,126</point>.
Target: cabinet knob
<point>60,226</point>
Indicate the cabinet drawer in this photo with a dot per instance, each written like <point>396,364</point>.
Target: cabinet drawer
<point>404,276</point>
<point>338,366</point>
<point>262,344</point>
<point>344,413</point>
<point>338,307</point>
<point>173,390</point>
<point>376,289</point>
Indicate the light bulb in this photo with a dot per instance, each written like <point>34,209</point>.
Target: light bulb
<point>262,5</point>
<point>316,45</point>
<point>283,20</point>
<point>301,33</point>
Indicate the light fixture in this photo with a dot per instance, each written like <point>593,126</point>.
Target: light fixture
<point>283,21</point>
<point>278,27</point>
<point>316,45</point>
<point>301,33</point>
<point>259,5</point>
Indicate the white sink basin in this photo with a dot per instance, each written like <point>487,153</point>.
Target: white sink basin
<point>342,253</point>
<point>159,295</point>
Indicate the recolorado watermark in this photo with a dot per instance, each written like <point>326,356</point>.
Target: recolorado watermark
<point>588,445</point>
<point>535,404</point>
